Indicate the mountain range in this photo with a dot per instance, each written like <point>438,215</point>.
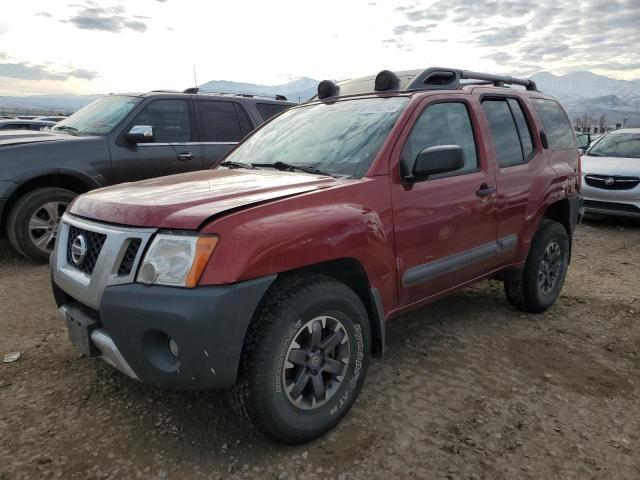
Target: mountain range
<point>586,93</point>
<point>581,93</point>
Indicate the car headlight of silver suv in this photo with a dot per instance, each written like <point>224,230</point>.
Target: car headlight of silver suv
<point>176,260</point>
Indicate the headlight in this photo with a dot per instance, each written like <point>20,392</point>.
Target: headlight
<point>176,260</point>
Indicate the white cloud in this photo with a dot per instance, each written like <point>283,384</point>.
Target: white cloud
<point>127,46</point>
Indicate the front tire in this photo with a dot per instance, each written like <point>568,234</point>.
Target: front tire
<point>305,359</point>
<point>544,271</point>
<point>32,224</point>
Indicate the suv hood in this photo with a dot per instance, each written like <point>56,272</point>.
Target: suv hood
<point>20,137</point>
<point>611,166</point>
<point>185,201</point>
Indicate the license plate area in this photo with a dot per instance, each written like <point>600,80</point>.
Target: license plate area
<point>80,326</point>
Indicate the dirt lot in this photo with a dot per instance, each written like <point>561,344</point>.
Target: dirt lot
<point>469,389</point>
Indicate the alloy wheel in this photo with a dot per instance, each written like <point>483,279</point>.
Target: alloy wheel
<point>550,268</point>
<point>316,362</point>
<point>43,225</point>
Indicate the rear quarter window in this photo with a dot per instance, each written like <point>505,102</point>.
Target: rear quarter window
<point>556,124</point>
<point>268,110</point>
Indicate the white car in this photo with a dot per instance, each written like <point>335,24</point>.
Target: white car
<point>611,174</point>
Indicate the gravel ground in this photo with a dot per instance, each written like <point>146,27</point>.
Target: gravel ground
<point>469,389</point>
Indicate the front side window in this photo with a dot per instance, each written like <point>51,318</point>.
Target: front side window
<point>504,132</point>
<point>442,124</point>
<point>99,117</point>
<point>556,124</point>
<point>223,121</point>
<point>621,145</point>
<point>340,138</point>
<point>169,118</point>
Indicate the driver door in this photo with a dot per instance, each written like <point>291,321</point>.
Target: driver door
<point>175,148</point>
<point>445,226</point>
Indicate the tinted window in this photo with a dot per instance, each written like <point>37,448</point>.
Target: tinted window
<point>504,132</point>
<point>221,122</point>
<point>523,128</point>
<point>169,118</point>
<point>15,126</point>
<point>268,110</point>
<point>442,124</point>
<point>556,124</point>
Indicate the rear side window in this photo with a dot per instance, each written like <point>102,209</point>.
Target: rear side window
<point>223,121</point>
<point>268,110</point>
<point>443,124</point>
<point>556,124</point>
<point>504,132</point>
<point>523,128</point>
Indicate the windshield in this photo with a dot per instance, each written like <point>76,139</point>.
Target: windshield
<point>340,138</point>
<point>99,117</point>
<point>626,145</point>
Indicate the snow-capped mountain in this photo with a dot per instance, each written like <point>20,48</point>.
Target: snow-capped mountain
<point>580,92</point>
<point>588,93</point>
<point>300,89</point>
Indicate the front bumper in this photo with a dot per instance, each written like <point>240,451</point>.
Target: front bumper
<point>623,203</point>
<point>132,328</point>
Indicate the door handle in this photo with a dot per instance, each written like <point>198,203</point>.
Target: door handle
<point>485,190</point>
<point>185,156</point>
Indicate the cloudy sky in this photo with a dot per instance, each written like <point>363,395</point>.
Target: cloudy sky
<point>51,46</point>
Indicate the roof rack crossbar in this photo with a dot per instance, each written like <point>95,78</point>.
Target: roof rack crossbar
<point>449,78</point>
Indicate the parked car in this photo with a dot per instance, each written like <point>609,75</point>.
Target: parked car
<point>55,118</point>
<point>17,124</point>
<point>117,138</point>
<point>276,272</point>
<point>611,169</point>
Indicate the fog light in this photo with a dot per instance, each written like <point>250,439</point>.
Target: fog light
<point>147,273</point>
<point>173,348</point>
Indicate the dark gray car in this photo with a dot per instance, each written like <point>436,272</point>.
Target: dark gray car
<point>117,138</point>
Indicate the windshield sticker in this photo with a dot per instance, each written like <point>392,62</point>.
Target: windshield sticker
<point>369,109</point>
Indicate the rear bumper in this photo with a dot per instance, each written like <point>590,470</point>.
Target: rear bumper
<point>132,328</point>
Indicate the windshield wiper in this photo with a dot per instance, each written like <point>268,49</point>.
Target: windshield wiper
<point>290,167</point>
<point>232,164</point>
<point>66,128</point>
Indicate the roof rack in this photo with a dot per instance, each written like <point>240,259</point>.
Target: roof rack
<point>246,95</point>
<point>434,78</point>
<point>449,78</point>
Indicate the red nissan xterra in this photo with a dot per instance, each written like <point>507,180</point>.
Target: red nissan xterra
<point>275,273</point>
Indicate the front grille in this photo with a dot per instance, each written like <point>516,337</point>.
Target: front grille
<point>616,182</point>
<point>616,207</point>
<point>129,257</point>
<point>94,242</point>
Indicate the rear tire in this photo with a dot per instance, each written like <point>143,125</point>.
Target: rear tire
<point>289,389</point>
<point>33,221</point>
<point>544,271</point>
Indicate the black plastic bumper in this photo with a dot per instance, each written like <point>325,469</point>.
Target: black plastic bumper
<point>208,324</point>
<point>576,210</point>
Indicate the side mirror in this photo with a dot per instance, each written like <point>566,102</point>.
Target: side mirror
<point>435,160</point>
<point>140,134</point>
